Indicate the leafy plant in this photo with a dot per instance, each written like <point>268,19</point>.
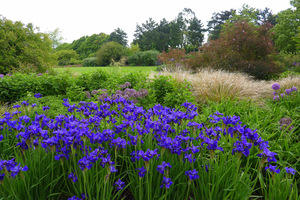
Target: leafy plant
<point>109,51</point>
<point>89,62</point>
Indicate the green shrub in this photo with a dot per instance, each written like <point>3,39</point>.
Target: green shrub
<point>92,81</point>
<point>75,93</point>
<point>54,102</point>
<point>67,57</point>
<point>135,59</point>
<point>144,58</point>
<point>89,62</point>
<point>149,58</point>
<point>109,51</point>
<point>14,87</point>
<point>169,92</point>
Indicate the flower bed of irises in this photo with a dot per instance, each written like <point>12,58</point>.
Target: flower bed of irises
<point>114,149</point>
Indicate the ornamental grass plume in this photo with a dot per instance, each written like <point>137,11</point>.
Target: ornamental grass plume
<point>215,85</point>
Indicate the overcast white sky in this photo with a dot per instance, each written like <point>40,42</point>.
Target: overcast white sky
<point>77,18</point>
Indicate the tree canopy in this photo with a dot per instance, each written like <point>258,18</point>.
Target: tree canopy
<point>287,28</point>
<point>186,31</point>
<point>24,44</point>
<point>86,45</point>
<point>119,36</point>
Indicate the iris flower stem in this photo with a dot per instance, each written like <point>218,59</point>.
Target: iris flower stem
<point>52,170</point>
<point>166,196</point>
<point>149,186</point>
<point>140,188</point>
<point>84,183</point>
<point>27,189</point>
<point>188,191</point>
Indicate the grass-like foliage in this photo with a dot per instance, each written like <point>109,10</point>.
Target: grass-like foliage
<point>114,149</point>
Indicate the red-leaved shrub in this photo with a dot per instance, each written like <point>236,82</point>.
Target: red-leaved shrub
<point>242,47</point>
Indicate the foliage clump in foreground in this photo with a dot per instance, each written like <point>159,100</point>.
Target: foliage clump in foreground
<point>115,149</point>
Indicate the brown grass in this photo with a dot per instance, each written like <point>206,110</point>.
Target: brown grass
<point>216,85</point>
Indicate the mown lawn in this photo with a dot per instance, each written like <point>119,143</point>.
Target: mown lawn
<point>108,68</point>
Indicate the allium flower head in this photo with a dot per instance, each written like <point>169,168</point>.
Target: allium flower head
<point>275,86</point>
<point>288,91</point>
<point>276,97</point>
<point>294,89</point>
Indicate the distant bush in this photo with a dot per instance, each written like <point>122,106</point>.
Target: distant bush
<point>241,47</point>
<point>109,51</point>
<point>290,61</point>
<point>67,57</point>
<point>89,62</point>
<point>172,56</point>
<point>144,58</point>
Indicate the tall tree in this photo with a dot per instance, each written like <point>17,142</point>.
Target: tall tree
<point>146,35</point>
<point>163,39</point>
<point>287,28</point>
<point>195,34</point>
<point>266,16</point>
<point>56,38</point>
<point>22,45</point>
<point>185,31</point>
<point>216,22</point>
<point>118,35</point>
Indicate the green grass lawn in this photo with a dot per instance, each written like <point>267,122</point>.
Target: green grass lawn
<point>112,69</point>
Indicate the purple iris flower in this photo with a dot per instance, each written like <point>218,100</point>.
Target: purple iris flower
<point>272,168</point>
<point>16,106</point>
<point>120,184</point>
<point>290,170</point>
<point>242,146</point>
<point>141,171</point>
<point>211,144</point>
<point>73,177</point>
<point>112,169</point>
<point>192,174</point>
<point>161,168</point>
<point>268,154</point>
<point>46,108</point>
<point>37,95</point>
<point>166,182</point>
<point>2,177</point>
<point>189,157</point>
